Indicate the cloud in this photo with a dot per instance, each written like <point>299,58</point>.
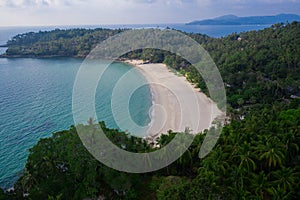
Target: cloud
<point>24,3</point>
<point>47,12</point>
<point>31,3</point>
<point>35,3</point>
<point>143,1</point>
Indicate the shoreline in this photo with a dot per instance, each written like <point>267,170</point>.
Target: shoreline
<point>39,57</point>
<point>164,102</point>
<point>175,101</point>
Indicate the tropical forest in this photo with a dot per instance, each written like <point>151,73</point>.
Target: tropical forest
<point>257,155</point>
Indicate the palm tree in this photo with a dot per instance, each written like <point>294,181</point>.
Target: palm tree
<point>272,152</point>
<point>164,153</point>
<point>238,193</point>
<point>259,184</point>
<point>182,145</point>
<point>280,194</point>
<point>236,177</point>
<point>208,182</point>
<point>285,178</point>
<point>217,161</point>
<point>27,181</point>
<point>244,158</point>
<point>291,143</point>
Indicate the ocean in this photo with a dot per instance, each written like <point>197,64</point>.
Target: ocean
<point>36,100</point>
<point>36,95</point>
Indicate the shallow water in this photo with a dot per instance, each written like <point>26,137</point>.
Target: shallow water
<point>36,100</point>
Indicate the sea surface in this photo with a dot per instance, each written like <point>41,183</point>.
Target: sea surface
<point>36,100</point>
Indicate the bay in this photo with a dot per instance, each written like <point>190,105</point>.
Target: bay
<point>36,100</point>
<point>36,94</point>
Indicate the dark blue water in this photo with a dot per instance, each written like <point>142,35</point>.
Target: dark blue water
<point>36,100</point>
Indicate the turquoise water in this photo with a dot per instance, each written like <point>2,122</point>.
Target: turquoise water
<point>36,100</point>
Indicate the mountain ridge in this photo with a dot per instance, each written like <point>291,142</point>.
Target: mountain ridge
<point>250,20</point>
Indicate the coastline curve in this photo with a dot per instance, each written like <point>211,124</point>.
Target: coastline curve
<point>113,48</point>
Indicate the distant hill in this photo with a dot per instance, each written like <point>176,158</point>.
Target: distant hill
<point>252,20</point>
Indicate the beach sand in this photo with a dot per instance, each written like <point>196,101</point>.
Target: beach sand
<point>176,103</point>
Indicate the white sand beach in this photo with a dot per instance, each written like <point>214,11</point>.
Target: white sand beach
<point>176,103</point>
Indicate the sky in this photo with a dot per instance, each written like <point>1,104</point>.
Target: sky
<point>95,12</point>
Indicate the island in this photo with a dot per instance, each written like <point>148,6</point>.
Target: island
<point>252,20</point>
<point>256,157</point>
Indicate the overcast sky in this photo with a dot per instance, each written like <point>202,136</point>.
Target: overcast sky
<point>94,12</point>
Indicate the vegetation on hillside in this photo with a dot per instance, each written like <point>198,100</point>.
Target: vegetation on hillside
<point>257,67</point>
<point>65,43</point>
<point>256,157</point>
